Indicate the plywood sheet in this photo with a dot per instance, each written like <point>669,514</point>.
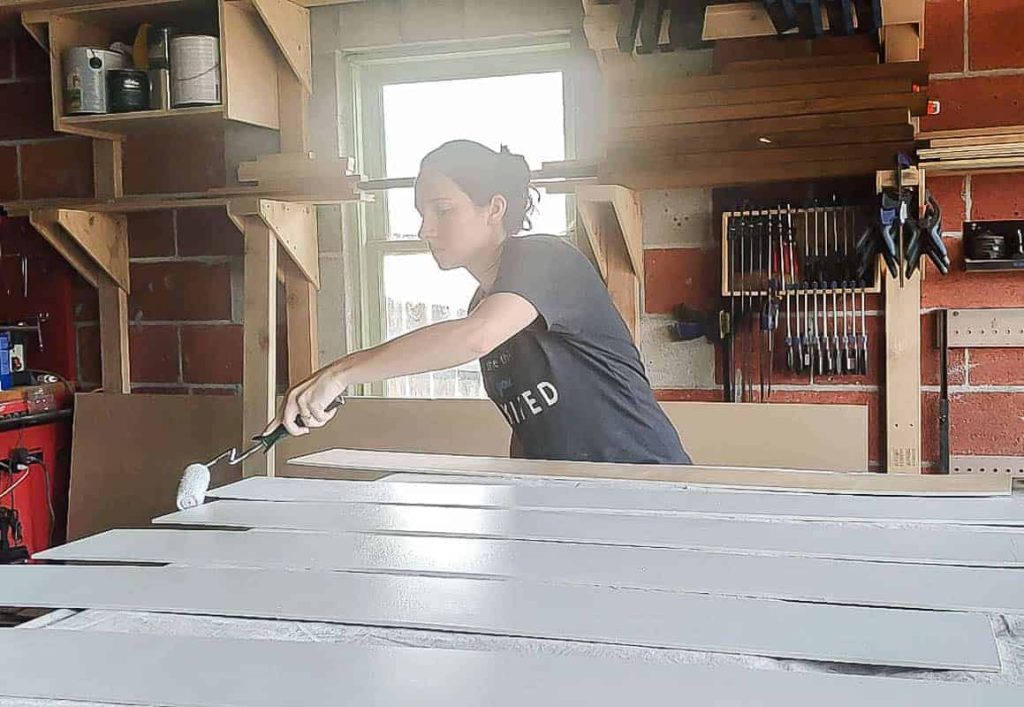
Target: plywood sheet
<point>793,578</point>
<point>978,548</point>
<point>1005,511</point>
<point>128,453</point>
<point>767,479</point>
<point>190,672</point>
<point>782,435</point>
<point>845,634</point>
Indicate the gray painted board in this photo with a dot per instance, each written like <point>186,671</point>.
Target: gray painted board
<point>930,545</point>
<point>216,672</point>
<point>1007,511</point>
<point>823,632</point>
<point>799,578</point>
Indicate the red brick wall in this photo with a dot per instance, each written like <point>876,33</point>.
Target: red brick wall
<point>185,306</point>
<point>976,52</point>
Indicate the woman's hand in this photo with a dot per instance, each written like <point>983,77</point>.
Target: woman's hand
<point>305,405</point>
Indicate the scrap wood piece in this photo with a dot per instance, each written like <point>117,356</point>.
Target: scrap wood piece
<point>282,168</point>
<point>823,632</point>
<point>730,477</point>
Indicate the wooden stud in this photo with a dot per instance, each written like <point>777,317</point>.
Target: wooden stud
<point>860,59</point>
<point>303,341</point>
<point>107,168</point>
<point>592,218</point>
<point>902,43</point>
<point>113,303</point>
<point>627,210</point>
<point>259,367</point>
<point>622,280</point>
<point>294,112</point>
<point>289,25</point>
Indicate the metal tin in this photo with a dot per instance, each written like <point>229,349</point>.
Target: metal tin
<point>127,90</point>
<point>85,79</point>
<point>195,71</point>
<point>159,89</point>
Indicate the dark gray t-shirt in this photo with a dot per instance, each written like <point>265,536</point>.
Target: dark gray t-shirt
<point>572,384</point>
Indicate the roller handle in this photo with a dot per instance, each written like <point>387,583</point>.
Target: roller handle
<point>280,432</point>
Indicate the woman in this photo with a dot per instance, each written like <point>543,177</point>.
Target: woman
<point>556,357</point>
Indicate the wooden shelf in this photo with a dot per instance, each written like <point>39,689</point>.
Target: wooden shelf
<point>127,123</point>
<point>997,265</point>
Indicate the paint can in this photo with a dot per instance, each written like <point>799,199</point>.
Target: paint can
<point>195,71</point>
<point>85,79</point>
<point>159,47</point>
<point>159,89</point>
<point>127,90</point>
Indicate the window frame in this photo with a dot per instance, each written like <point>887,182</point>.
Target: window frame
<point>370,72</point>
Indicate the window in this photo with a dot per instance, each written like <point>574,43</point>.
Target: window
<point>516,98</point>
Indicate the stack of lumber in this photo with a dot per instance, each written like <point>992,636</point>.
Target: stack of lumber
<point>303,172</point>
<point>974,150</point>
<point>755,126</point>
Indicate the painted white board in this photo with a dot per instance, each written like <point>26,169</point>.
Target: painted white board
<point>823,632</point>
<point>216,672</point>
<point>929,545</point>
<point>1003,511</point>
<point>795,578</point>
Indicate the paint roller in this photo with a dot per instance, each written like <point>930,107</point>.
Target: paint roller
<point>195,482</point>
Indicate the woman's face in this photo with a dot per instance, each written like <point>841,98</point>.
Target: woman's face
<point>454,228</point>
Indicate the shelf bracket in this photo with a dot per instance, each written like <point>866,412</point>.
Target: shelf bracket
<point>293,224</point>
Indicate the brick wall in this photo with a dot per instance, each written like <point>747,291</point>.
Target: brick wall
<point>185,307</point>
<point>977,58</point>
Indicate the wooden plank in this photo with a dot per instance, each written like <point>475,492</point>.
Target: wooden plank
<point>857,541</point>
<point>998,131</point>
<point>916,103</point>
<point>750,19</point>
<point>120,668</point>
<point>303,343</point>
<point>809,62</point>
<point>874,484</point>
<point>915,72</point>
<point>248,58</point>
<point>125,484</point>
<point>1001,164</point>
<point>622,280</point>
<point>903,375</point>
<point>293,102</point>
<point>878,584</point>
<point>114,356</point>
<point>763,126</point>
<point>104,237</point>
<point>980,140</point>
<point>296,168</point>
<point>846,634</point>
<point>296,229</point>
<point>763,156</point>
<point>619,151</point>
<point>107,169</point>
<point>289,26</point>
<point>628,212</point>
<point>259,367</point>
<point>742,174</point>
<point>780,435</point>
<point>771,94</point>
<point>659,498</point>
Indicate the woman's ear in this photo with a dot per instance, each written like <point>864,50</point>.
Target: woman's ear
<point>496,210</point>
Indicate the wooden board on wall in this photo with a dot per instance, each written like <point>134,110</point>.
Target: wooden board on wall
<point>784,435</point>
<point>129,451</point>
